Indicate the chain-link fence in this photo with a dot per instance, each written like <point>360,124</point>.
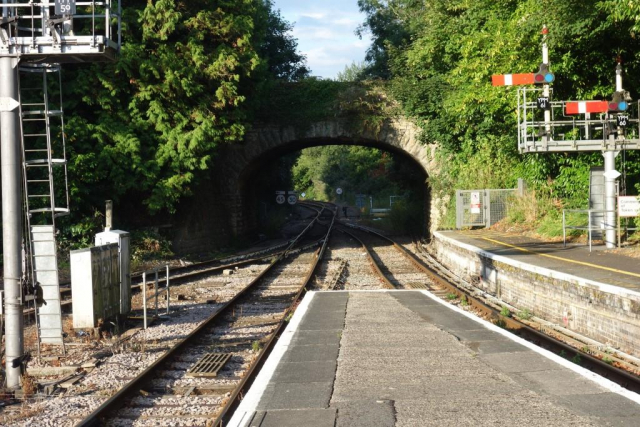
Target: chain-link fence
<point>481,208</point>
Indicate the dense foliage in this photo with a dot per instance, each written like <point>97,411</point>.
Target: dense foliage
<point>439,56</point>
<point>144,130</point>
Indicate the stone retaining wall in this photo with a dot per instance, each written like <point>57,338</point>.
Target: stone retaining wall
<point>602,312</point>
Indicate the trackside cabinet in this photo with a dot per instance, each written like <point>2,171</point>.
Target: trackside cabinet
<point>94,285</point>
<point>123,239</point>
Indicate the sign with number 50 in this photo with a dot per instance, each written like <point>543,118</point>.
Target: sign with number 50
<point>65,7</point>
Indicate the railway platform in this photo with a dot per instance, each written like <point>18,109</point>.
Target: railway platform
<point>600,265</point>
<point>408,358</point>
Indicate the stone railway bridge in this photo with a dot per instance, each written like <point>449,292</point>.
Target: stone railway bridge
<point>224,209</point>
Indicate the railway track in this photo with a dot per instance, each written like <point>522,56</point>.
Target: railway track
<point>182,274</point>
<point>383,253</point>
<point>179,389</point>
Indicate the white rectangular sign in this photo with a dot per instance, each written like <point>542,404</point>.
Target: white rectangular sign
<point>628,206</point>
<point>475,202</point>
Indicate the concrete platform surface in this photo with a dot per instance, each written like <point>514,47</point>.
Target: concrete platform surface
<point>599,265</point>
<point>406,358</point>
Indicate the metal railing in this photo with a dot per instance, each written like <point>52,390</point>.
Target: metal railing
<point>36,30</point>
<point>157,290</point>
<point>589,228</point>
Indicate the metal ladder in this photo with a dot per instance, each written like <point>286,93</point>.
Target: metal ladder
<point>44,164</point>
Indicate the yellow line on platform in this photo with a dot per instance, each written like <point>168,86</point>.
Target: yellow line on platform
<point>615,270</point>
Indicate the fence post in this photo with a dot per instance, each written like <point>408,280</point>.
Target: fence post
<point>156,289</point>
<point>487,207</point>
<point>459,210</point>
<point>589,214</point>
<point>619,233</point>
<point>167,288</point>
<point>144,299</point>
<point>522,187</point>
<point>564,230</point>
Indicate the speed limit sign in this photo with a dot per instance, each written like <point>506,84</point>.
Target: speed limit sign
<point>338,191</point>
<point>292,199</point>
<point>280,199</point>
<point>67,7</point>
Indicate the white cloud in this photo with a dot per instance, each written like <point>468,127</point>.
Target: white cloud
<point>313,15</point>
<point>325,33</point>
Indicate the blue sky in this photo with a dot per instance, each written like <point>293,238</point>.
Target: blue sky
<point>325,33</point>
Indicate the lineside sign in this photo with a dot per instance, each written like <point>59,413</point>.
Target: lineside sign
<point>67,7</point>
<point>628,206</point>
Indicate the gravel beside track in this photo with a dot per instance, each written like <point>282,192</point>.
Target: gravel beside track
<point>357,274</point>
<point>123,361</point>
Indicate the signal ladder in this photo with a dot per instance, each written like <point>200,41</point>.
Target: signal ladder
<point>45,185</point>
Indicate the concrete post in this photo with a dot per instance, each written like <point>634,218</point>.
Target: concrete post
<point>610,198</point>
<point>11,217</point>
<point>522,187</point>
<point>108,215</point>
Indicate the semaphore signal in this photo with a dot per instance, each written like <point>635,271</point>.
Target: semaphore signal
<point>552,126</point>
<point>617,105</point>
<point>543,76</point>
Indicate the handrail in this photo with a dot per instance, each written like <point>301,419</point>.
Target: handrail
<point>589,227</point>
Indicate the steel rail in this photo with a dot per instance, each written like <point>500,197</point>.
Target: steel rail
<point>624,378</point>
<point>374,264</point>
<point>116,401</point>
<point>136,278</point>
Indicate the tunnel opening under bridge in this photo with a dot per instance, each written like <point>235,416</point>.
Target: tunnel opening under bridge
<point>397,178</point>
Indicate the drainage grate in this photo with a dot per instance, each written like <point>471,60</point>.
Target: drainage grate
<point>418,286</point>
<point>209,365</point>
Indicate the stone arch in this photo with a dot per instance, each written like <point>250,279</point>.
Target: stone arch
<point>222,201</point>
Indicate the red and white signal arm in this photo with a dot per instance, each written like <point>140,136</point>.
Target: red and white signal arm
<point>512,79</point>
<point>583,107</point>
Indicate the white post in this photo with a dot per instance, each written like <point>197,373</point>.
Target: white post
<point>167,288</point>
<point>144,299</point>
<point>11,170</point>
<point>564,231</point>
<point>155,288</point>
<point>589,226</point>
<point>609,182</point>
<point>610,197</point>
<point>545,88</point>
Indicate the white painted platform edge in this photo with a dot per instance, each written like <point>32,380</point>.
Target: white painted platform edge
<point>605,287</point>
<point>603,382</point>
<point>249,404</point>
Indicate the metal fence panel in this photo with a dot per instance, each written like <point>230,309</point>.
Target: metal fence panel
<point>498,205</point>
<point>470,208</point>
<point>481,208</point>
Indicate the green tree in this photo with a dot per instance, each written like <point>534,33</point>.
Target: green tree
<point>441,54</point>
<point>145,129</point>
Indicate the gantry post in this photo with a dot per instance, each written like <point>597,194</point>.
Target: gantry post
<point>610,179</point>
<point>11,216</point>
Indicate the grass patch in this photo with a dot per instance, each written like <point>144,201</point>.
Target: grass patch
<point>525,314</point>
<point>452,296</point>
<point>577,359</point>
<point>505,312</point>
